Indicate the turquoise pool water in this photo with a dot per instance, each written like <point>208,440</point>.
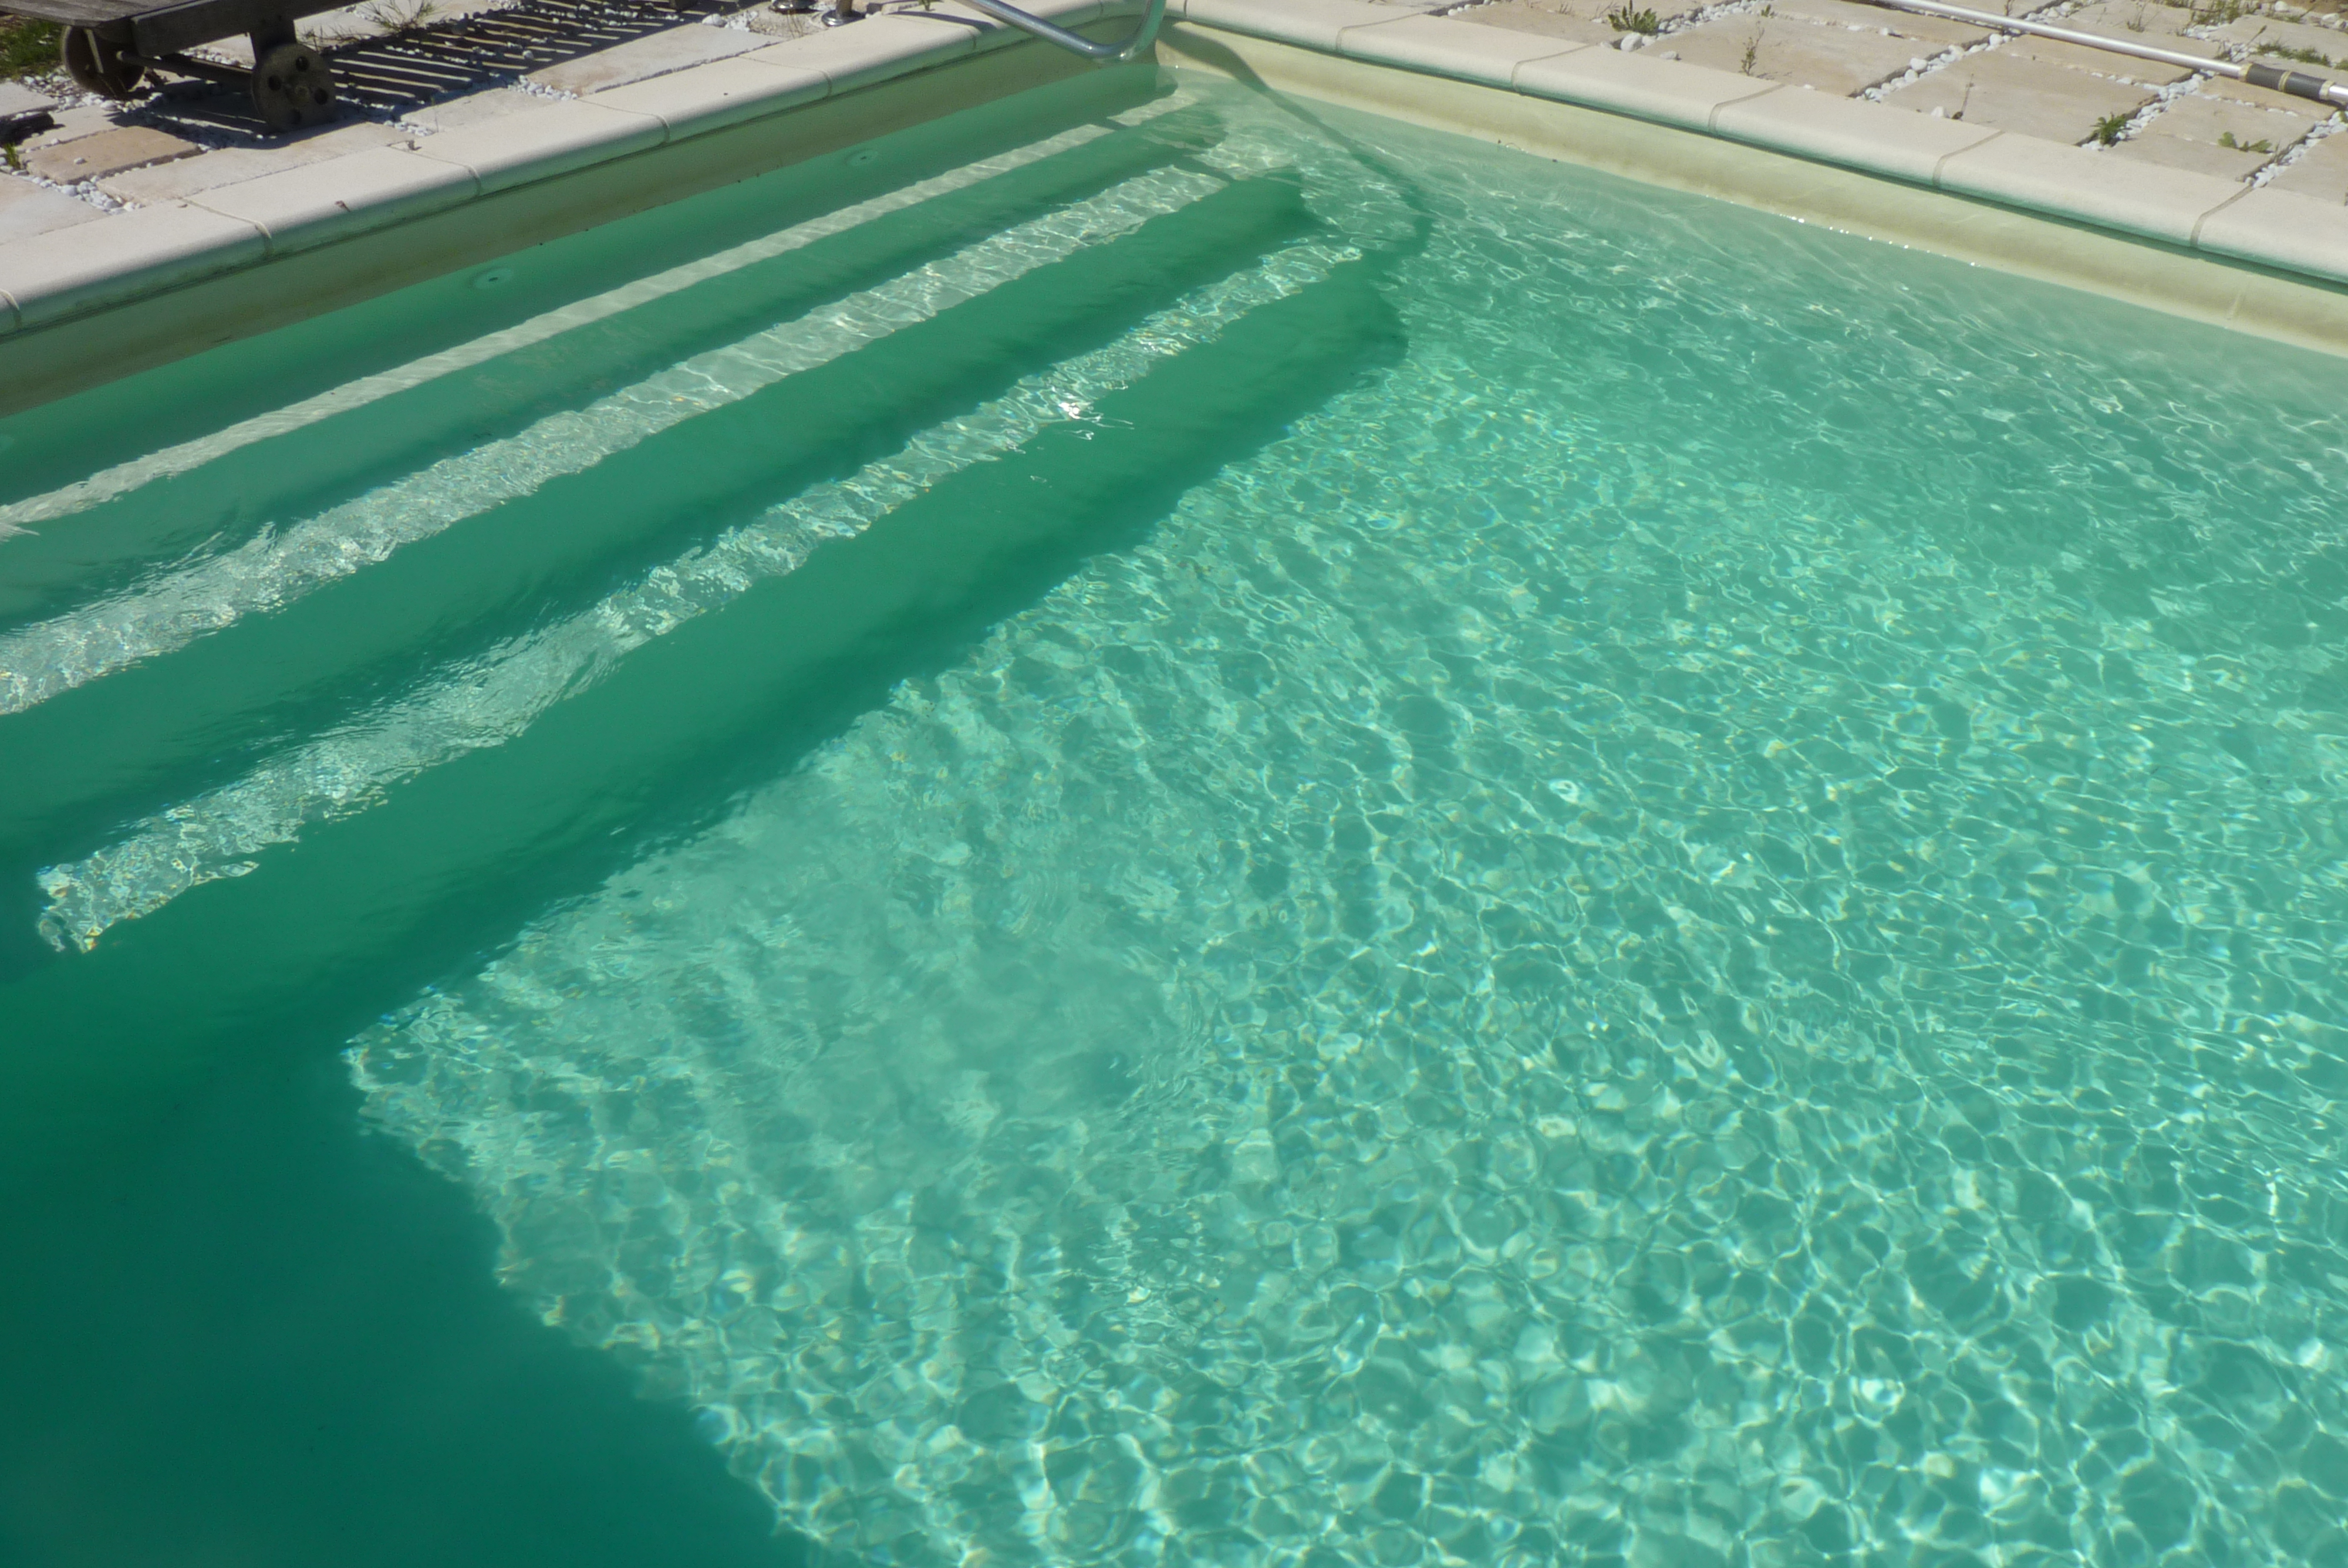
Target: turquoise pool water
<point>1182,829</point>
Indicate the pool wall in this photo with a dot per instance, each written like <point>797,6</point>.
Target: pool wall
<point>84,305</point>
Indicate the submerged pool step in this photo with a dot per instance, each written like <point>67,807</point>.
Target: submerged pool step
<point>349,437</point>
<point>113,747</point>
<point>450,859</point>
<point>486,702</point>
<point>328,484</point>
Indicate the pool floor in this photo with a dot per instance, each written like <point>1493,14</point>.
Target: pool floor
<point>1163,827</point>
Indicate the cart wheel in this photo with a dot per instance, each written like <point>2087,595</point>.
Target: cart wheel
<point>293,87</point>
<point>97,65</point>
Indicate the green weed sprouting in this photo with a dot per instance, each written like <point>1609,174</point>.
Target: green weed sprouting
<point>2220,11</point>
<point>1623,19</point>
<point>2109,128</point>
<point>2226,139</point>
<point>28,48</point>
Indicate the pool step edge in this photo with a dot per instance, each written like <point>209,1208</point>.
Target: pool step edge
<point>510,826</point>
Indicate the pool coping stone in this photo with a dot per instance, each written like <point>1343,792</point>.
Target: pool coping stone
<point>73,271</point>
<point>1848,132</point>
<point>316,204</point>
<point>536,144</point>
<point>717,94</point>
<point>1491,56</point>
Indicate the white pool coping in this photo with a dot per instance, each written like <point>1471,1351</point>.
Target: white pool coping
<point>121,278</point>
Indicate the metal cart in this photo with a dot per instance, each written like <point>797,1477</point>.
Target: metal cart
<point>111,46</point>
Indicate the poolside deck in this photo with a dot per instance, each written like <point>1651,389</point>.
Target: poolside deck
<point>408,69</point>
<point>414,68</point>
<point>1922,133</point>
<point>2134,109</point>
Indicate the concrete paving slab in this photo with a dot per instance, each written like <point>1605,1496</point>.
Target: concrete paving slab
<point>473,108</point>
<point>639,59</point>
<point>301,208</point>
<point>1486,54</point>
<point>723,93</point>
<point>27,210</point>
<point>2320,173</point>
<point>388,18</point>
<point>2138,21</point>
<point>2104,63</point>
<point>2013,92</point>
<point>2210,117</point>
<point>228,165</point>
<point>1832,59</point>
<point>783,24</point>
<point>2201,156</point>
<point>107,152</point>
<point>2270,37</point>
<point>1846,131</point>
<point>2243,93</point>
<point>81,120</point>
<point>19,103</point>
<point>1572,18</point>
<point>1937,30</point>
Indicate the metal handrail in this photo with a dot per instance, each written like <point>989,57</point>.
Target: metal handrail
<point>1076,43</point>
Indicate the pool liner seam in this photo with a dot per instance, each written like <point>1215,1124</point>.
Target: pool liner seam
<point>2203,221</point>
<point>1942,161</point>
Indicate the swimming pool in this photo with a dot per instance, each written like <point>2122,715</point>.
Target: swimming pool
<point>1165,826</point>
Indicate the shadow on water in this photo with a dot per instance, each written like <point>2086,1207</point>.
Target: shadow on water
<point>262,1337</point>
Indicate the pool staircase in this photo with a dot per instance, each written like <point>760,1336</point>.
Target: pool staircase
<point>297,714</point>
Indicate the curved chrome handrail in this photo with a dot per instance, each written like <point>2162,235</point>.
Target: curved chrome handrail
<point>1143,36</point>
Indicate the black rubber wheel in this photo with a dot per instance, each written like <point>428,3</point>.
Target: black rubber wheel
<point>97,65</point>
<point>294,87</point>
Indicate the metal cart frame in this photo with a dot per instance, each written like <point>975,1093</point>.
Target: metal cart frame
<point>111,46</point>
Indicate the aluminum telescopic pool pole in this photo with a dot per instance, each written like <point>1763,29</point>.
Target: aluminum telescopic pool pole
<point>2275,78</point>
<point>1076,43</point>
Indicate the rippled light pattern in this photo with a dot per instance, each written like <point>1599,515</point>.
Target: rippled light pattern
<point>1703,926</point>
